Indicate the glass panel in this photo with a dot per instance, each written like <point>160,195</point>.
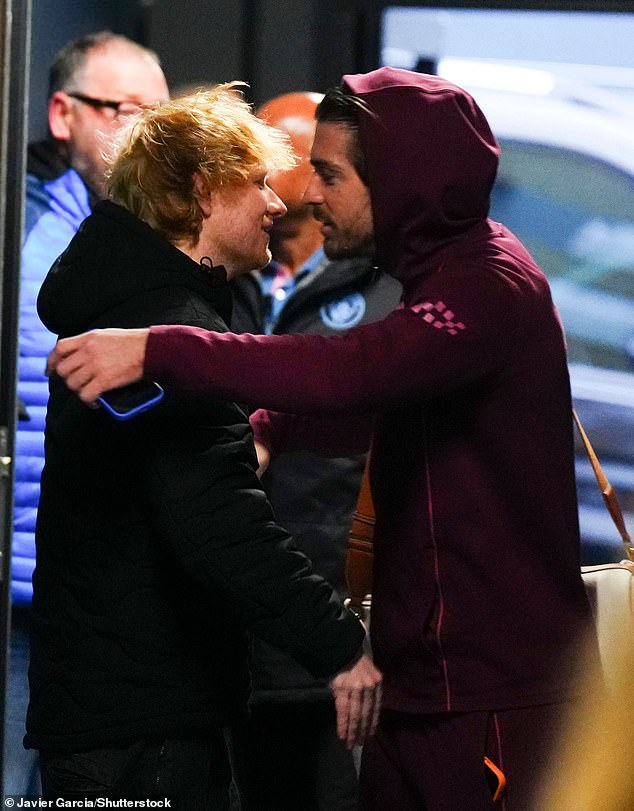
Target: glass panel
<point>576,216</point>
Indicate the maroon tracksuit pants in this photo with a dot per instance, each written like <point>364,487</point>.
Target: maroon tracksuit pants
<point>436,762</point>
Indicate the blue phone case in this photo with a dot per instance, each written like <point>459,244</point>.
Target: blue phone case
<point>129,401</point>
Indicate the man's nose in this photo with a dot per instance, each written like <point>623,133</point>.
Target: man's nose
<point>276,207</point>
<point>312,194</point>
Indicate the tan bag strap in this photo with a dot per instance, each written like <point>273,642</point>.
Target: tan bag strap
<point>359,557</point>
<point>607,491</point>
<point>360,554</point>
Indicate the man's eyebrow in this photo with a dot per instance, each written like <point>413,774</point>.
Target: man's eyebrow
<point>321,164</point>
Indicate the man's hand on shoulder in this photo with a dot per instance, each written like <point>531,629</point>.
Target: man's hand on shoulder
<point>357,694</point>
<point>99,360</point>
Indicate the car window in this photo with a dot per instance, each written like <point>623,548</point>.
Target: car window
<point>575,214</point>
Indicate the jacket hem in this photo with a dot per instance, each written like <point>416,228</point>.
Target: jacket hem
<point>96,738</point>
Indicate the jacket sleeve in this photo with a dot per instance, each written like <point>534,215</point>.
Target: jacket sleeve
<point>328,434</point>
<point>461,331</point>
<point>209,504</point>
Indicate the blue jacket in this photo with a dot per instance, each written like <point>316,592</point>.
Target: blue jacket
<point>57,200</point>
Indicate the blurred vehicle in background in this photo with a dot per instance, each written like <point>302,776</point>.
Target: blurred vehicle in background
<point>566,188</point>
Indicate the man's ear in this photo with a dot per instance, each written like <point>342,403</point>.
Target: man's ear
<point>60,112</point>
<point>202,194</point>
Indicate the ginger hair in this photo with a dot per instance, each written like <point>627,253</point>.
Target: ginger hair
<point>212,133</point>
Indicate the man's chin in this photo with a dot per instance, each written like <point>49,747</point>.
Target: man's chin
<point>264,260</point>
<point>257,264</point>
<point>333,250</point>
<point>337,250</point>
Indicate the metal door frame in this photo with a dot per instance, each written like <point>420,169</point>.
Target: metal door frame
<point>15,36</point>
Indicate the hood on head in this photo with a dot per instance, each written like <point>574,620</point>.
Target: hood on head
<point>432,160</point>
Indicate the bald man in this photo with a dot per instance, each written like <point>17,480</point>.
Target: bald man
<point>289,755</point>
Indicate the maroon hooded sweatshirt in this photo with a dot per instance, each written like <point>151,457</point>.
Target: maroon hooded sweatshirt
<point>478,599</point>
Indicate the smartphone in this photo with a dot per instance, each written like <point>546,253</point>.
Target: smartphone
<point>495,779</point>
<point>128,401</point>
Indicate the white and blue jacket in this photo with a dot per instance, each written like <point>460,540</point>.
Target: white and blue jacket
<point>57,201</point>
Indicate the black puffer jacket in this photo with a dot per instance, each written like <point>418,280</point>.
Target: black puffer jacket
<point>156,547</point>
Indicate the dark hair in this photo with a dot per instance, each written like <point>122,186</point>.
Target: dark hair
<point>340,106</point>
<point>69,62</point>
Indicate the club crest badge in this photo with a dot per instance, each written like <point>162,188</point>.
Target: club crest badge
<point>343,313</point>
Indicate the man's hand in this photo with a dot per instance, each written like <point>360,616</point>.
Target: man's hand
<point>100,360</point>
<point>264,457</point>
<point>358,700</point>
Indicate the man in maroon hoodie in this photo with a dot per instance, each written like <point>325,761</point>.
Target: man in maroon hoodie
<point>478,601</point>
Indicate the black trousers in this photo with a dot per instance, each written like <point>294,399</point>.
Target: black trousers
<point>191,770</point>
<point>288,758</point>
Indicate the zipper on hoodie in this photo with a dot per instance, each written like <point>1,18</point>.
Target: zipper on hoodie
<point>439,613</point>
